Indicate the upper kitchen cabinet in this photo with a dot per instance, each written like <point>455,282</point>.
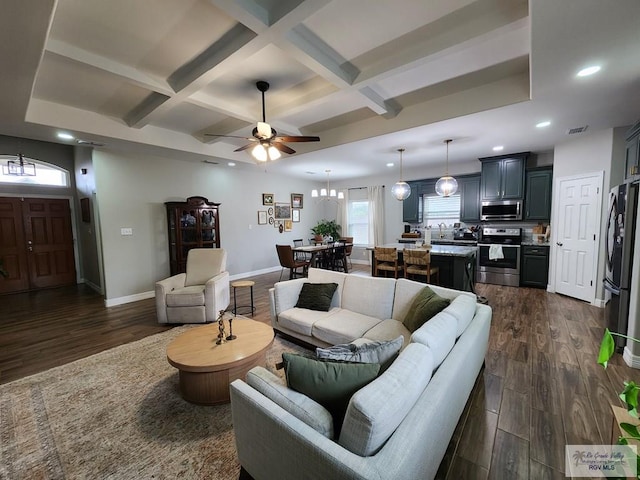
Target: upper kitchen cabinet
<point>632,161</point>
<point>412,206</point>
<point>469,188</point>
<point>502,178</point>
<point>538,194</point>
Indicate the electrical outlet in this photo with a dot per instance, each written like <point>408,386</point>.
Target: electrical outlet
<point>126,231</point>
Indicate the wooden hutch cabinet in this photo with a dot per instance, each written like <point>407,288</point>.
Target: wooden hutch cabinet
<point>192,224</point>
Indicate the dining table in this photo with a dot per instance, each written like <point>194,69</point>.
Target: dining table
<point>323,249</point>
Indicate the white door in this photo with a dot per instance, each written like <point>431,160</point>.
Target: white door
<point>577,225</point>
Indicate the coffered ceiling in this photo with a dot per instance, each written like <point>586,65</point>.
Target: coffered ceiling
<point>366,76</point>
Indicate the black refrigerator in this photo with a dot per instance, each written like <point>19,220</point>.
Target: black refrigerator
<point>619,240</point>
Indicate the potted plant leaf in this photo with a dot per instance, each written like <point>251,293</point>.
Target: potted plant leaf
<point>327,229</point>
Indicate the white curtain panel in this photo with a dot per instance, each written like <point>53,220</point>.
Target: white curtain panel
<point>343,215</point>
<point>375,196</point>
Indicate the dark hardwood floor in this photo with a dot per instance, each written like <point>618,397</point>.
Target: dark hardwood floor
<point>541,387</point>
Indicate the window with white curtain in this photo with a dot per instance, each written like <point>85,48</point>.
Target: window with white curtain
<point>439,209</point>
<point>358,215</point>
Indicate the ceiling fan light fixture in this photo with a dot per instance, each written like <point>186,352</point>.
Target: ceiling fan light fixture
<point>446,185</point>
<point>264,130</point>
<point>274,153</point>
<point>259,153</point>
<point>401,189</point>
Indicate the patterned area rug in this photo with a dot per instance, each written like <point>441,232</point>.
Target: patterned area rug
<point>116,415</point>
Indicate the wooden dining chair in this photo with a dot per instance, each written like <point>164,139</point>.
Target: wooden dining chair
<point>300,256</point>
<point>287,260</point>
<point>417,262</point>
<point>386,260</point>
<point>348,248</point>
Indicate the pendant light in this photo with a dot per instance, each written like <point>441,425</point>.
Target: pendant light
<point>19,167</point>
<point>401,189</point>
<point>327,193</point>
<point>447,185</point>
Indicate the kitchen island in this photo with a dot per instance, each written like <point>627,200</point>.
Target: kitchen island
<point>457,264</point>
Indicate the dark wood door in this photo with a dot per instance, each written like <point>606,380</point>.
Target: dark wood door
<point>36,243</point>
<point>13,251</point>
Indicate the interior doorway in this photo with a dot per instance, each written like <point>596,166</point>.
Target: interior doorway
<point>36,243</point>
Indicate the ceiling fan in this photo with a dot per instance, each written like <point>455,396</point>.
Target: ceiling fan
<point>269,143</point>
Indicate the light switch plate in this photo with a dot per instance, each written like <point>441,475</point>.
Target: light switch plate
<point>126,231</point>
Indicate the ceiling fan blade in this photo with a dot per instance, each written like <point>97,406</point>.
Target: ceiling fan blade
<point>297,138</point>
<point>283,148</point>
<point>248,145</point>
<point>228,136</point>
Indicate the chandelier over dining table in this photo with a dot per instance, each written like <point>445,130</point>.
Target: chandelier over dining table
<point>327,193</point>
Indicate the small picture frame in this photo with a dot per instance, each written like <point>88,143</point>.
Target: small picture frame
<point>295,215</point>
<point>283,211</point>
<point>262,217</point>
<point>267,199</point>
<point>296,200</point>
<point>270,211</point>
<point>278,224</point>
<point>288,225</point>
<point>271,221</point>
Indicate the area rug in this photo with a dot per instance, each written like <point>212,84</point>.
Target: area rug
<point>117,415</point>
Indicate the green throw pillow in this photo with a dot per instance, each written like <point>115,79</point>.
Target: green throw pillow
<point>426,304</point>
<point>316,296</point>
<point>331,384</point>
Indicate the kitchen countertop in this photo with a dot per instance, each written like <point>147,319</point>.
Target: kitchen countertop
<point>439,241</point>
<point>442,250</point>
<point>535,244</point>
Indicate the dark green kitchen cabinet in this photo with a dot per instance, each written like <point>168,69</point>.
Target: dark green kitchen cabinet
<point>412,206</point>
<point>537,203</point>
<point>632,160</point>
<point>469,188</point>
<point>534,271</point>
<point>502,178</point>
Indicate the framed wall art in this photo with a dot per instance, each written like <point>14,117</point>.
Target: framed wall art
<point>288,225</point>
<point>282,211</point>
<point>262,217</point>
<point>295,215</point>
<point>296,200</point>
<point>267,198</point>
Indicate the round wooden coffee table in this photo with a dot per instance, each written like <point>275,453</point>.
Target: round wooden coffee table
<point>207,369</point>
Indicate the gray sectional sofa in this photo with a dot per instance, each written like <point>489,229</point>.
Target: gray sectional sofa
<point>396,427</point>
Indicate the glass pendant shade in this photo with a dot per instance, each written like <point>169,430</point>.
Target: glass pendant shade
<point>274,153</point>
<point>327,193</point>
<point>259,153</point>
<point>446,186</point>
<point>314,193</point>
<point>401,190</point>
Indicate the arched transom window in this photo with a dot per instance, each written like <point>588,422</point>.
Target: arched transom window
<point>29,171</point>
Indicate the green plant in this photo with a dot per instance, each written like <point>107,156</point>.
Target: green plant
<point>327,228</point>
<point>630,393</point>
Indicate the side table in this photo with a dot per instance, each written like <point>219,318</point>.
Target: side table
<point>242,284</point>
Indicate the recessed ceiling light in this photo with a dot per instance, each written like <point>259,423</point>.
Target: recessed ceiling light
<point>232,164</point>
<point>543,124</point>
<point>389,164</point>
<point>65,136</point>
<point>585,72</point>
<point>498,148</point>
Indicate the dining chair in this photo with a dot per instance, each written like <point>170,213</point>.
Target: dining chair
<point>417,262</point>
<point>348,247</point>
<point>300,256</point>
<point>339,257</point>
<point>386,260</point>
<point>287,260</point>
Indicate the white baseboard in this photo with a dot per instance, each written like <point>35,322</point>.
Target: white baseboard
<point>630,359</point>
<point>360,262</point>
<point>255,272</point>
<point>598,302</point>
<point>112,302</point>
<point>92,285</point>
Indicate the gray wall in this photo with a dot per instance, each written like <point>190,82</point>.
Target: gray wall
<point>131,191</point>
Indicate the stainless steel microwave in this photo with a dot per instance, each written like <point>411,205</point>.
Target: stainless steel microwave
<point>497,210</point>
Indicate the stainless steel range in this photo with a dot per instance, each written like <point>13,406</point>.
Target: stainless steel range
<point>499,256</point>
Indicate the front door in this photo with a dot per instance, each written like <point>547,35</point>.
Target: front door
<point>576,234</point>
<point>36,243</point>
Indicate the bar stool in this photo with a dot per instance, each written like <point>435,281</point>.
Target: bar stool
<point>242,284</point>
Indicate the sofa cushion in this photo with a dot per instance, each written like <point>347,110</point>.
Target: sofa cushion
<point>297,404</point>
<point>463,308</point>
<point>343,327</point>
<point>439,334</point>
<point>373,352</point>
<point>301,320</point>
<point>425,305</point>
<point>386,330</point>
<point>321,275</point>
<point>204,264</point>
<point>376,410</point>
<point>369,296</point>
<point>186,297</point>
<point>316,296</point>
<point>331,384</point>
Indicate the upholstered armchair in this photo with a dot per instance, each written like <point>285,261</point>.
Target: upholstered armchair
<point>198,295</point>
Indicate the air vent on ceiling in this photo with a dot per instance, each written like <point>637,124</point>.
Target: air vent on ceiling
<point>573,131</point>
<point>88,143</point>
